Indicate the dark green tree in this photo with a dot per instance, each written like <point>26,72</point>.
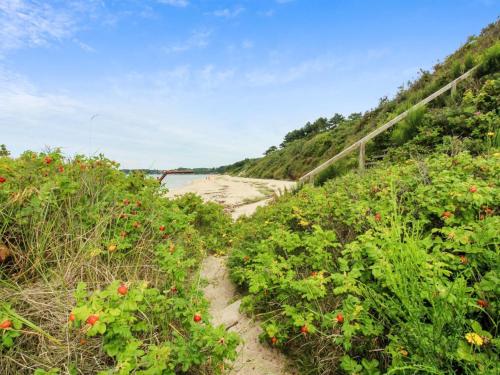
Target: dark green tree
<point>4,151</point>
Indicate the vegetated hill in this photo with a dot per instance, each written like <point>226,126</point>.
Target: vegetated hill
<point>305,148</point>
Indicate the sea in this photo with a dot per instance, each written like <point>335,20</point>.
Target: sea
<point>173,181</point>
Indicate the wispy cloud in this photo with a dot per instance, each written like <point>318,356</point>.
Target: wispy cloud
<point>247,44</point>
<point>84,46</point>
<point>27,24</point>
<point>266,13</point>
<point>228,13</point>
<point>175,3</point>
<point>197,39</point>
<point>264,77</point>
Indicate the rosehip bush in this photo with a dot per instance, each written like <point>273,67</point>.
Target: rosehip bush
<point>366,275</point>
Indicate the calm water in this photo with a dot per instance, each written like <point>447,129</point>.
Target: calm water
<point>173,181</point>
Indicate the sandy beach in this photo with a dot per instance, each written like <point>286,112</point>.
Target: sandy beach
<point>239,195</point>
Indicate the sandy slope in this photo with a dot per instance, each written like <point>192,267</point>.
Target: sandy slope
<point>240,196</point>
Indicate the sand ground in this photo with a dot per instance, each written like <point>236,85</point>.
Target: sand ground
<point>240,196</point>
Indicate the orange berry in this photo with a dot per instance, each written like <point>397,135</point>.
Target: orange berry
<point>6,324</point>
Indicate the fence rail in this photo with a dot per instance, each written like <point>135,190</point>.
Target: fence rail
<point>362,142</point>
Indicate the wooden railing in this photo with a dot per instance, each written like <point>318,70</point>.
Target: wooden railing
<point>362,142</point>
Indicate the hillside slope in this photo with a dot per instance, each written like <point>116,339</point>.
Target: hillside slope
<point>305,148</point>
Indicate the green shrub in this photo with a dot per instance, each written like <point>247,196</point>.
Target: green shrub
<point>72,231</point>
<point>392,271</point>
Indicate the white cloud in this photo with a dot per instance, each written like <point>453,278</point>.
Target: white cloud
<point>27,24</point>
<point>267,13</point>
<point>175,3</point>
<point>84,46</point>
<point>246,44</point>
<point>264,77</point>
<point>197,39</point>
<point>228,13</point>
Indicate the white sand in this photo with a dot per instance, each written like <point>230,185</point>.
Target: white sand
<point>240,196</point>
<point>235,193</point>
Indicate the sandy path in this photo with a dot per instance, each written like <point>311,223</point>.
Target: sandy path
<point>240,196</point>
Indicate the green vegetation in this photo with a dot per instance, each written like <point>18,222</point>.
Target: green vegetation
<point>99,272</point>
<point>305,148</point>
<point>394,270</point>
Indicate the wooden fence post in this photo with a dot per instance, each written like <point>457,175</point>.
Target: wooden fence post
<point>362,157</point>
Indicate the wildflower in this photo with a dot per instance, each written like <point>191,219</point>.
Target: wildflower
<point>303,223</point>
<point>477,113</point>
<point>463,259</point>
<point>490,134</point>
<point>474,338</point>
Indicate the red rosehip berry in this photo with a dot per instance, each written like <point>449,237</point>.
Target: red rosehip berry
<point>92,319</point>
<point>122,289</point>
<point>340,318</point>
<point>483,303</point>
<point>446,215</point>
<point>197,318</point>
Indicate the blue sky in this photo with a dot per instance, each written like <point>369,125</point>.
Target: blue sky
<point>168,83</point>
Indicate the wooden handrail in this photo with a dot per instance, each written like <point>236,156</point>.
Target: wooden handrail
<point>361,143</point>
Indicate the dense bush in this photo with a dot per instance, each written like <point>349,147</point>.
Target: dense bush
<point>395,271</point>
<point>99,272</point>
